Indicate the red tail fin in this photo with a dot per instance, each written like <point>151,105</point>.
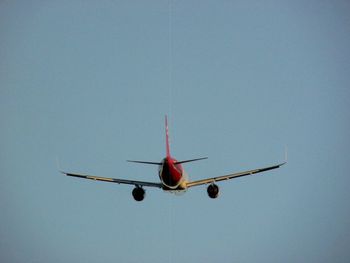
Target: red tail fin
<point>167,137</point>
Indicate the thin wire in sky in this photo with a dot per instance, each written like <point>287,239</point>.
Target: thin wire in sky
<point>170,55</point>
<point>170,67</point>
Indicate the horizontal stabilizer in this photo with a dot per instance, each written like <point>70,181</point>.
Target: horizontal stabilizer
<point>154,163</point>
<point>192,160</point>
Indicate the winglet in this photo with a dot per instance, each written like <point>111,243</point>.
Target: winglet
<point>58,165</point>
<point>285,154</point>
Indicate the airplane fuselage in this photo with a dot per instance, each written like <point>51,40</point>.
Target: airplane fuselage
<point>172,175</point>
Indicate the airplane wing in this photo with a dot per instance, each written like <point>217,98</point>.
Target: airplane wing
<point>231,176</point>
<point>114,180</point>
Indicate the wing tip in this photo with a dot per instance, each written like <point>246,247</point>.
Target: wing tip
<point>285,162</point>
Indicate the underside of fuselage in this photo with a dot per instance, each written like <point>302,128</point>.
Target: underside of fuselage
<point>172,175</point>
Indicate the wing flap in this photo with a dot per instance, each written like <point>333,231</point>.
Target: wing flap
<point>115,180</point>
<point>233,175</point>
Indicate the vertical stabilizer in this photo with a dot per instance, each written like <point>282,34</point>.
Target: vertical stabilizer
<point>167,137</point>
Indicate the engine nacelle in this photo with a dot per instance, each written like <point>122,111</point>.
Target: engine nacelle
<point>138,193</point>
<point>213,190</point>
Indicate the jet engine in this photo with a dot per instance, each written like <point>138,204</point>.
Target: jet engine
<point>138,193</point>
<point>213,190</point>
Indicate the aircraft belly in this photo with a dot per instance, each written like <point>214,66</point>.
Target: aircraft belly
<point>173,177</point>
<point>180,186</point>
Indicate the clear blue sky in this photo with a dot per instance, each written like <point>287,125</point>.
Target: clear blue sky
<point>89,82</point>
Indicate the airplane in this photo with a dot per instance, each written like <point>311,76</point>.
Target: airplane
<point>172,175</point>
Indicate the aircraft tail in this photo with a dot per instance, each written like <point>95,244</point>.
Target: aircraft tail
<point>167,145</point>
